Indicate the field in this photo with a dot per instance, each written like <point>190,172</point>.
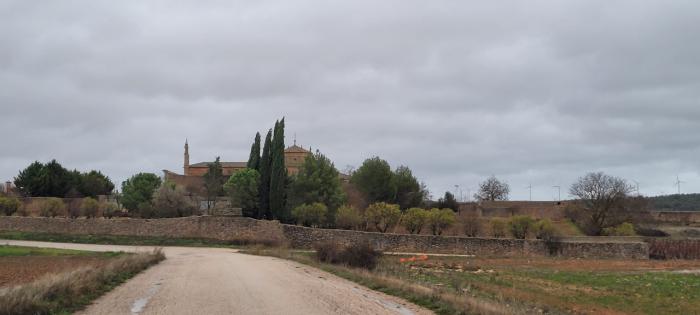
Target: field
<point>24,264</point>
<point>452,285</point>
<point>60,281</point>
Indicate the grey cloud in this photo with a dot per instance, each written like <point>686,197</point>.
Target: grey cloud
<point>538,92</point>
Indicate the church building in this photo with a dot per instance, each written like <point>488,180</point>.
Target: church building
<point>192,179</point>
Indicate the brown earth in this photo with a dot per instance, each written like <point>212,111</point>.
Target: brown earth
<point>22,269</point>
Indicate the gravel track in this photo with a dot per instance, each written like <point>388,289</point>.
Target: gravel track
<point>223,281</point>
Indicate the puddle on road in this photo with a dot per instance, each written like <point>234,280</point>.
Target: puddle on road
<point>138,305</point>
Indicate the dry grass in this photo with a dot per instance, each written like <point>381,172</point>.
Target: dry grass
<point>436,299</point>
<point>66,292</point>
<point>674,249</point>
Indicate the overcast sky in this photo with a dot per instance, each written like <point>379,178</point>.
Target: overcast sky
<point>536,92</point>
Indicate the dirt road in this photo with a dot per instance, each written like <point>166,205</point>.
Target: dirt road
<point>222,281</point>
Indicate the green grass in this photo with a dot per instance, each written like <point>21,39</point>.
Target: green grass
<point>9,250</point>
<point>115,239</point>
<point>638,292</point>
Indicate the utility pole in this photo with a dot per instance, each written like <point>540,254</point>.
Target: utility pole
<point>457,192</point>
<point>559,189</point>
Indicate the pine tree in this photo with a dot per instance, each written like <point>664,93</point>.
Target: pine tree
<point>254,159</point>
<point>265,171</point>
<point>278,176</point>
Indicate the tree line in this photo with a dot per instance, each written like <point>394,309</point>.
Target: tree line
<point>53,180</point>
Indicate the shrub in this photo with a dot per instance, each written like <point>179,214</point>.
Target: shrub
<point>52,207</point>
<point>145,210</point>
<point>674,249</point>
<point>347,217</point>
<point>650,232</point>
<point>624,229</point>
<point>414,219</point>
<point>89,207</point>
<point>310,215</point>
<point>545,230</point>
<point>498,227</point>
<point>359,255</point>
<point>440,219</point>
<point>109,210</point>
<point>520,226</point>
<point>9,205</point>
<point>383,215</point>
<point>170,201</point>
<point>471,226</point>
<point>328,252</point>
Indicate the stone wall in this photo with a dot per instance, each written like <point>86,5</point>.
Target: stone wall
<point>237,228</point>
<point>303,237</point>
<point>677,217</point>
<point>207,227</point>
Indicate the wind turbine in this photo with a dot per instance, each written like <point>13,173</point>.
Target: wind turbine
<point>678,183</point>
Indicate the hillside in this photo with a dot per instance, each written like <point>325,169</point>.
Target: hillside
<point>683,202</point>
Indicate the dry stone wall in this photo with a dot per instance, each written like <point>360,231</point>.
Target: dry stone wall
<point>242,229</point>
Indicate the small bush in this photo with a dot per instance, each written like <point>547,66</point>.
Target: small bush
<point>52,207</point>
<point>89,207</point>
<point>545,230</point>
<point>440,219</point>
<point>145,210</point>
<point>310,215</point>
<point>498,227</point>
<point>359,255</point>
<point>328,252</point>
<point>383,215</point>
<point>650,232</point>
<point>520,226</point>
<point>171,201</point>
<point>674,249</point>
<point>414,219</point>
<point>471,226</point>
<point>624,229</point>
<point>9,205</point>
<point>348,218</point>
<point>109,210</point>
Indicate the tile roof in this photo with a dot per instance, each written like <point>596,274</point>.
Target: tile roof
<point>296,149</point>
<point>223,164</point>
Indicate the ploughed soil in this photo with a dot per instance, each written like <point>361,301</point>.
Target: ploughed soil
<point>15,270</point>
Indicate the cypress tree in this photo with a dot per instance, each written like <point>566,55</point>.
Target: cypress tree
<point>264,191</point>
<point>254,159</point>
<point>278,175</point>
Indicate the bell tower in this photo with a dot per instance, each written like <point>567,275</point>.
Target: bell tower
<point>186,166</point>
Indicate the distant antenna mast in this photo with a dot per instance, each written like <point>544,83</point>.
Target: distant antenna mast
<point>678,183</point>
<point>559,189</point>
<point>636,186</point>
<point>530,187</point>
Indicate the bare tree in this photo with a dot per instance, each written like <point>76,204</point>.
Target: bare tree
<point>492,189</point>
<point>603,201</point>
